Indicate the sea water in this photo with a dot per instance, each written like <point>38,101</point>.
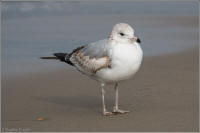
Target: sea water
<point>34,29</point>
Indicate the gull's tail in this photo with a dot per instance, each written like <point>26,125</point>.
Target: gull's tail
<point>49,58</point>
<point>64,57</point>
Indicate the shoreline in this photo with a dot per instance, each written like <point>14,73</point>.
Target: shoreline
<point>63,67</point>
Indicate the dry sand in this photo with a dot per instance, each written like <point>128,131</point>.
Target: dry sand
<point>163,96</point>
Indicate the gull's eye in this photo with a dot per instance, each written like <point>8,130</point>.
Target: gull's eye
<point>122,34</point>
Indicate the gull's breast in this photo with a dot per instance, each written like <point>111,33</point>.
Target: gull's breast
<point>125,62</point>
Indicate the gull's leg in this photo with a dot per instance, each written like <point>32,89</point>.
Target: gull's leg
<point>105,112</point>
<point>116,108</point>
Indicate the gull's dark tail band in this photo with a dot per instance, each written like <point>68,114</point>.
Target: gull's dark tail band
<point>57,56</point>
<point>49,58</point>
<point>64,57</point>
<point>61,56</point>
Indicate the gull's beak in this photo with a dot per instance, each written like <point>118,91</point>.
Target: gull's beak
<point>135,39</point>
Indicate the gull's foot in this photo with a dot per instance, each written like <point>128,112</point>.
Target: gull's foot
<point>106,113</point>
<point>119,111</point>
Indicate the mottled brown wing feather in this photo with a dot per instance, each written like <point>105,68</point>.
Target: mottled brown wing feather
<point>87,64</point>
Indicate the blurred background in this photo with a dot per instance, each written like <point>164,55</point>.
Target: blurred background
<point>34,29</point>
<point>47,95</point>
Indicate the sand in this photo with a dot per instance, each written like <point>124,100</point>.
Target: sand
<point>163,96</point>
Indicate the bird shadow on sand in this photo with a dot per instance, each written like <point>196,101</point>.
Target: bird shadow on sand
<point>90,103</point>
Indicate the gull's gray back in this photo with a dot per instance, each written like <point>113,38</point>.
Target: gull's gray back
<point>95,49</point>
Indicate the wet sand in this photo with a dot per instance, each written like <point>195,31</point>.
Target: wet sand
<point>163,96</point>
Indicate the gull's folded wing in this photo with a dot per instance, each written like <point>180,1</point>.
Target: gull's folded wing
<point>91,58</point>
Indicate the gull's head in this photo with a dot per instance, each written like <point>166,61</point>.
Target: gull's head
<point>123,33</point>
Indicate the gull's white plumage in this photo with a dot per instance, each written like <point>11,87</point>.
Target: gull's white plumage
<point>111,60</point>
<point>125,62</point>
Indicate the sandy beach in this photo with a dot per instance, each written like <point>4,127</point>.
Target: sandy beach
<point>163,96</point>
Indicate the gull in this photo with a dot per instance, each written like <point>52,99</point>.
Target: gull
<point>108,61</point>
